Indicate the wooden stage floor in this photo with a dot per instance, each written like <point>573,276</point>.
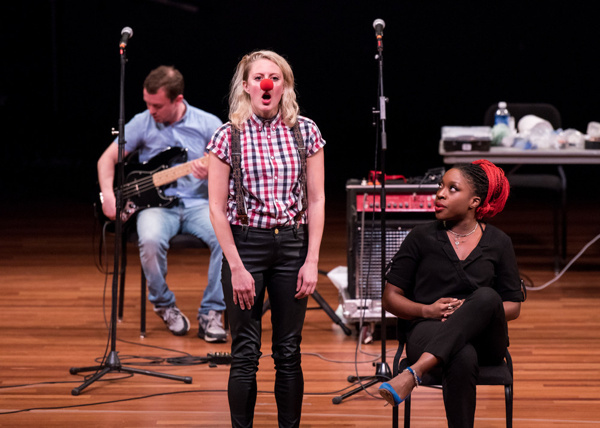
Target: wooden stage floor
<point>55,302</point>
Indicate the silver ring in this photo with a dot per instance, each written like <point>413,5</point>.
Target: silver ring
<point>449,307</point>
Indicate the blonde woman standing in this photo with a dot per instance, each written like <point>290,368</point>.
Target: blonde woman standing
<point>267,206</point>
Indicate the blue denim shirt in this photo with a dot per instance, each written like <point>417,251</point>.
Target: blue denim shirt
<point>192,132</point>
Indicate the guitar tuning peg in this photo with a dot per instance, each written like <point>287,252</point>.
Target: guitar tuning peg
<point>113,131</point>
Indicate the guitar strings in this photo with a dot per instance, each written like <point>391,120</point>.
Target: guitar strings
<point>130,189</point>
<point>142,185</point>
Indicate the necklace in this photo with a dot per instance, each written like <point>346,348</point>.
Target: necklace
<point>460,235</point>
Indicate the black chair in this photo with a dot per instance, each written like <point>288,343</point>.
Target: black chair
<point>488,375</point>
<point>501,374</point>
<point>130,235</point>
<point>550,178</point>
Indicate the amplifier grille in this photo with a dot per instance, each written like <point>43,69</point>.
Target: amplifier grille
<point>367,242</point>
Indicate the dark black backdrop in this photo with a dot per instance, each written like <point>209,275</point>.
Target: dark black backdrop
<point>445,62</point>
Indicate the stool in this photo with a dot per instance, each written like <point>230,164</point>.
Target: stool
<point>179,241</point>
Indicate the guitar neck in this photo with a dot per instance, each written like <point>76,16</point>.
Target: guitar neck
<point>171,174</point>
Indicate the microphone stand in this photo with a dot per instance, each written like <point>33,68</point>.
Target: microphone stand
<point>382,369</point>
<point>112,363</point>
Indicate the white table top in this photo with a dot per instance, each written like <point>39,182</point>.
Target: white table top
<point>509,155</point>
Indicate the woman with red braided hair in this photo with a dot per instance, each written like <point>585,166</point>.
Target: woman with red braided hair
<point>456,282</point>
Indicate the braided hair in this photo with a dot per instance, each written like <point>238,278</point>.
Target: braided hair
<point>489,183</point>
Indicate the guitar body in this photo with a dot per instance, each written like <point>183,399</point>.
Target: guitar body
<point>139,190</point>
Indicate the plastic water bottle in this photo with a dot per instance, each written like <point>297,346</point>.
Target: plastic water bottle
<point>502,115</point>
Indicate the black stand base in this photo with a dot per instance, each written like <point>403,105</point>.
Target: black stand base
<point>113,365</point>
<point>325,306</point>
<point>382,374</point>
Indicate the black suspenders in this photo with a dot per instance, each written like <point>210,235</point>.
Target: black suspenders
<point>236,164</point>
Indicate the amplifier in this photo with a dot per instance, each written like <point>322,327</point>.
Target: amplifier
<point>397,202</point>
<point>406,206</point>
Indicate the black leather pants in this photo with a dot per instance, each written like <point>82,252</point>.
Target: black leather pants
<point>273,257</point>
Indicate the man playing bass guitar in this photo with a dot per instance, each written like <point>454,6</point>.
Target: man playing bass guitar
<point>171,123</point>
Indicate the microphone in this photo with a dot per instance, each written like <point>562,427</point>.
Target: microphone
<point>126,34</point>
<point>266,84</point>
<point>379,25</point>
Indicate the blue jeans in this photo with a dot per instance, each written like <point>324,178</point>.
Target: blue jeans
<point>155,227</point>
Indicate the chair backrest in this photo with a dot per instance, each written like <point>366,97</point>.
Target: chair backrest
<point>518,110</point>
<point>401,329</point>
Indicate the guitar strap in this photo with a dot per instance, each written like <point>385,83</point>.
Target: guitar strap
<point>236,163</point>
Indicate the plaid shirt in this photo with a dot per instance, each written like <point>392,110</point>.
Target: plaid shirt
<point>270,168</point>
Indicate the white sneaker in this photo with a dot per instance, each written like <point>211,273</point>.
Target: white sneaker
<point>210,327</point>
<point>174,319</point>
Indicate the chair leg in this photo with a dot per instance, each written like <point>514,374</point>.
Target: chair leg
<point>563,222</point>
<point>556,215</point>
<point>563,212</point>
<point>143,306</point>
<point>407,402</point>
<point>123,268</point>
<point>508,395</point>
<point>395,415</point>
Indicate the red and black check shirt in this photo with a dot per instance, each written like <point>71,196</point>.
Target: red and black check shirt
<point>270,168</point>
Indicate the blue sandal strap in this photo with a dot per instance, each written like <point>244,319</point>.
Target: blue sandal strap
<point>388,387</point>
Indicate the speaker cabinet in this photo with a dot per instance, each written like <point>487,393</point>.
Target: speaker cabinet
<point>406,206</point>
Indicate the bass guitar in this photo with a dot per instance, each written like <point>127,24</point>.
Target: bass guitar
<point>144,183</point>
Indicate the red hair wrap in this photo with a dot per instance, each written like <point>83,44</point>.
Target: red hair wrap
<point>498,190</point>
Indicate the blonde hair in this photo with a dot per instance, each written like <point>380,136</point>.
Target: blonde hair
<point>240,109</point>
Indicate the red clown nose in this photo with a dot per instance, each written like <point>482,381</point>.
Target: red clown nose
<point>266,84</point>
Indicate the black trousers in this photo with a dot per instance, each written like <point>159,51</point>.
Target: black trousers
<point>476,334</point>
<point>273,257</point>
